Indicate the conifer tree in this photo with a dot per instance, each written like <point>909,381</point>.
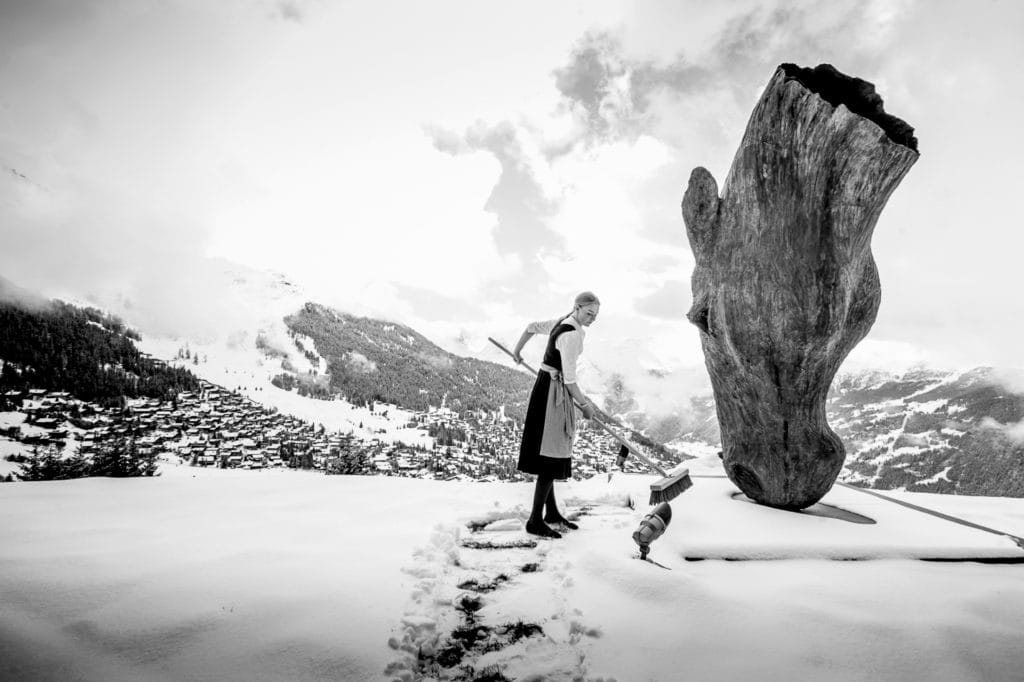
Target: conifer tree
<point>121,459</point>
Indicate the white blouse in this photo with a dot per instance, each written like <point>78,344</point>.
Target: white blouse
<point>569,344</point>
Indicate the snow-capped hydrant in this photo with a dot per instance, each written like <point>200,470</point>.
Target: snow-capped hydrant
<point>651,527</point>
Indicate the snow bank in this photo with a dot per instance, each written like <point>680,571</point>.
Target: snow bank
<point>207,574</point>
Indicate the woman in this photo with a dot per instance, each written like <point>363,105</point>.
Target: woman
<point>550,427</point>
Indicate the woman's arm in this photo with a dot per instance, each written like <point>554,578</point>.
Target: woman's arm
<point>543,327</point>
<point>517,351</point>
<point>588,407</point>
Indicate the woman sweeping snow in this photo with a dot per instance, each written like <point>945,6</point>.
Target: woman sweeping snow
<point>550,427</point>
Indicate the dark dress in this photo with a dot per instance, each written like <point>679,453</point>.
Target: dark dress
<point>546,408</point>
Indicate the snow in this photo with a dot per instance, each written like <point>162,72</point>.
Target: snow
<point>11,447</point>
<point>941,476</point>
<point>207,574</point>
<point>302,360</point>
<point>929,407</point>
<point>693,448</point>
<point>9,419</point>
<point>243,368</point>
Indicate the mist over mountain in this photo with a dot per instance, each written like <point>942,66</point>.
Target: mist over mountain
<point>57,346</point>
<point>924,429</point>
<point>933,431</point>
<point>13,295</point>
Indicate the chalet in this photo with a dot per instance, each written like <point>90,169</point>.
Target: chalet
<point>255,462</point>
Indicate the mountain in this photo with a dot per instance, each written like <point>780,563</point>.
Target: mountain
<point>13,295</point>
<point>924,430</point>
<point>370,359</point>
<point>932,431</point>
<point>91,354</point>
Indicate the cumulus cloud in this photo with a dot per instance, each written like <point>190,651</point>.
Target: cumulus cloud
<point>467,190</point>
<point>613,94</point>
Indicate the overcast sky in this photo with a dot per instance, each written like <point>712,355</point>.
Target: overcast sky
<point>466,167</point>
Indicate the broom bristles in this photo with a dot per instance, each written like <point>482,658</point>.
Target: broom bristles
<point>670,487</point>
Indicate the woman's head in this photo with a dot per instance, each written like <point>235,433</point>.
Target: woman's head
<point>585,308</point>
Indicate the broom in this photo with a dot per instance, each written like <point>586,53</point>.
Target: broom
<point>668,487</point>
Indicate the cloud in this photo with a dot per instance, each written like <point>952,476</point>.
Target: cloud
<point>483,181</point>
<point>1013,432</point>
<point>612,94</point>
<point>289,10</point>
<point>84,237</point>
<point>670,301</point>
<point>518,199</point>
<point>1011,379</point>
<point>434,307</point>
<point>594,84</point>
<point>21,297</point>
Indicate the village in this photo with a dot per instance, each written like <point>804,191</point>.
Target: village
<point>217,427</point>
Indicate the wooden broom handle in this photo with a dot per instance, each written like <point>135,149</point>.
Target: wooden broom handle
<point>632,448</point>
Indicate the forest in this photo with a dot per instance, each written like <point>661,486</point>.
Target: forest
<point>92,355</point>
<point>372,359</point>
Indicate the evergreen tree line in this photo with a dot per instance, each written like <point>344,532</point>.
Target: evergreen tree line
<point>66,348</point>
<point>303,386</point>
<point>118,459</point>
<point>443,434</point>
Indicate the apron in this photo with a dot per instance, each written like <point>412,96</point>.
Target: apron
<point>550,427</point>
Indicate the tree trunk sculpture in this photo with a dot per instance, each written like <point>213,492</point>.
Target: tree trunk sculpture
<point>785,284</point>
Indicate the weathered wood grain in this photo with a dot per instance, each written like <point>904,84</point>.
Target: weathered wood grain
<point>785,284</point>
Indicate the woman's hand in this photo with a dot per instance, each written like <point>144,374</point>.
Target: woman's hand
<point>517,357</point>
<point>589,411</point>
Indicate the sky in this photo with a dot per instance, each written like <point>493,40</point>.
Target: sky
<point>468,167</point>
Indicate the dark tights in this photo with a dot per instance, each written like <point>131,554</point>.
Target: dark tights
<point>544,495</point>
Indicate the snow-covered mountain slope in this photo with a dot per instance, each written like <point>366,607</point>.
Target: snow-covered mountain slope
<point>247,370</point>
<point>925,430</point>
<point>930,430</point>
<point>232,575</point>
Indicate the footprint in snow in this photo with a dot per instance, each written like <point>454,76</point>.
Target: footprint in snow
<point>455,629</point>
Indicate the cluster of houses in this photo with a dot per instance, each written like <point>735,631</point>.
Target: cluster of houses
<point>220,428</point>
<point>490,450</point>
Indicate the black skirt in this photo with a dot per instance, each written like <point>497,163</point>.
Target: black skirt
<point>530,459</point>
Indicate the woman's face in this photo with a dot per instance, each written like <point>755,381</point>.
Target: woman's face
<point>586,314</point>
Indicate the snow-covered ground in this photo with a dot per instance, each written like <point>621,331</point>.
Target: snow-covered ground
<point>204,574</point>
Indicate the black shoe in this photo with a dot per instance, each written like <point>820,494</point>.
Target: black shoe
<point>563,521</point>
<point>541,529</point>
